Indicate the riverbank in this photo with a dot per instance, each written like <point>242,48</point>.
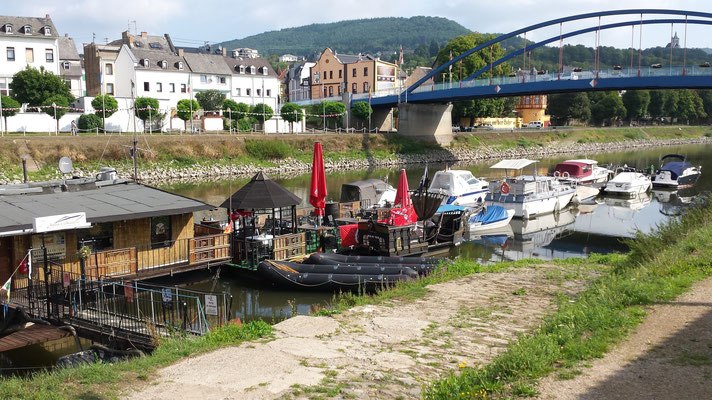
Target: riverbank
<point>209,157</point>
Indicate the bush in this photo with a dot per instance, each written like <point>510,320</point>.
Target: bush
<point>268,149</point>
<point>89,122</point>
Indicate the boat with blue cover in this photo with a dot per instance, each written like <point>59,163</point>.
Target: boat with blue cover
<point>675,171</point>
<point>489,218</point>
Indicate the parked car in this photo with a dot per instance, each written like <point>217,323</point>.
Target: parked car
<point>535,124</point>
<point>456,128</point>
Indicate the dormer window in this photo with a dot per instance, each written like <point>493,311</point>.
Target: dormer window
<point>242,69</point>
<point>146,62</point>
<point>164,64</point>
<point>7,28</point>
<point>47,31</point>
<point>65,65</point>
<point>253,70</point>
<point>179,65</point>
<point>27,30</point>
<point>264,70</point>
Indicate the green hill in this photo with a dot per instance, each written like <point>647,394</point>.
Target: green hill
<point>355,36</point>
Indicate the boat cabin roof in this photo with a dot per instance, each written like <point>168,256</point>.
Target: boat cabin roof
<point>453,181</point>
<point>574,168</point>
<point>581,161</point>
<point>102,201</point>
<point>514,164</point>
<point>367,189</point>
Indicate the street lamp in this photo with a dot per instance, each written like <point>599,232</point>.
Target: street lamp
<point>2,127</point>
<point>150,127</point>
<point>56,123</point>
<point>229,113</point>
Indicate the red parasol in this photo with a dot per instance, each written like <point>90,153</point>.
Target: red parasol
<point>402,195</point>
<point>317,189</point>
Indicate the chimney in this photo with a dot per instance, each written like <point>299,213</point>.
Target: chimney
<point>144,35</point>
<point>181,52</point>
<point>46,16</point>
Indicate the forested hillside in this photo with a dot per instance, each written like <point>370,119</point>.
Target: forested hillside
<point>373,35</point>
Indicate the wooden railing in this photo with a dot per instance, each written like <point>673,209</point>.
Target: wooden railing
<point>134,260</point>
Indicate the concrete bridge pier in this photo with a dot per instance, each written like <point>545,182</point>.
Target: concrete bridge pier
<point>426,122</point>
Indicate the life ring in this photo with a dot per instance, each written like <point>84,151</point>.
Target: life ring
<point>557,173</point>
<point>565,174</point>
<point>504,188</point>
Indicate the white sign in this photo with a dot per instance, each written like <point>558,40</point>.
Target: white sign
<point>211,304</point>
<point>60,222</point>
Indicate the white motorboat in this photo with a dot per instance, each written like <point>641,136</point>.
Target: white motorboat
<point>529,195</point>
<point>460,187</point>
<point>628,184</point>
<point>489,218</point>
<point>582,171</point>
<point>675,171</point>
<point>370,192</point>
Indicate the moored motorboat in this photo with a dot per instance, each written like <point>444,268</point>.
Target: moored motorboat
<point>628,184</point>
<point>370,192</point>
<point>676,171</point>
<point>459,186</point>
<point>529,195</point>
<point>582,171</point>
<point>489,218</point>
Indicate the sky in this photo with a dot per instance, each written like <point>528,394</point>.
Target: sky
<point>193,23</point>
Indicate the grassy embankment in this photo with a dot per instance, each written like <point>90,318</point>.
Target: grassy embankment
<point>91,152</point>
<point>659,267</point>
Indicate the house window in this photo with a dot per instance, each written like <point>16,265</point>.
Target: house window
<point>66,65</point>
<point>253,70</point>
<point>109,68</point>
<point>203,79</point>
<point>354,87</point>
<point>324,94</point>
<point>161,235</point>
<point>248,92</point>
<point>264,70</point>
<point>331,74</point>
<point>47,31</point>
<point>340,73</point>
<point>180,65</point>
<point>268,93</point>
<point>242,69</point>
<point>331,91</point>
<point>29,55</point>
<point>159,87</point>
<point>259,92</point>
<point>110,88</point>
<point>146,62</point>
<point>182,88</point>
<point>237,92</point>
<point>172,87</point>
<point>8,29</point>
<point>365,87</point>
<point>353,72</point>
<point>99,237</point>
<point>27,30</point>
<point>146,86</point>
<point>10,54</point>
<point>221,80</point>
<point>164,64</point>
<point>365,71</point>
<point>49,55</point>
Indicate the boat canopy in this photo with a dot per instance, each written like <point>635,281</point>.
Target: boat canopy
<point>514,164</point>
<point>368,189</point>
<point>673,156</point>
<point>676,168</point>
<point>453,182</point>
<point>575,168</point>
<point>490,214</point>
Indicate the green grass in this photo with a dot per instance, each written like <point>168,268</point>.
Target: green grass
<point>268,149</point>
<point>661,266</point>
<point>105,381</point>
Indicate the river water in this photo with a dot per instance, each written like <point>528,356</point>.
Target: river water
<point>575,232</point>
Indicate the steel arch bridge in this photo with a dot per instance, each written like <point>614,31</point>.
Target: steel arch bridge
<point>631,77</point>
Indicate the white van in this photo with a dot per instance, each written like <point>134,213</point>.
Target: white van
<point>535,124</point>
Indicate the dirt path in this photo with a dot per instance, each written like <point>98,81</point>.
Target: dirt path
<point>383,352</point>
<point>669,356</point>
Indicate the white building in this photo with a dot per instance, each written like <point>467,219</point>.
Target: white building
<point>245,52</point>
<point>26,41</point>
<point>288,58</point>
<point>253,82</point>
<point>298,87</point>
<point>70,66</point>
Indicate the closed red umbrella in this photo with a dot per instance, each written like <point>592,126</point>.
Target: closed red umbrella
<point>317,189</point>
<point>402,195</point>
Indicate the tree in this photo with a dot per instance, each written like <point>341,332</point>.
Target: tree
<point>580,108</point>
<point>334,111</point>
<point>34,87</point>
<point>607,109</point>
<point>210,100</point>
<point>636,103</point>
<point>291,113</point>
<point>689,106</point>
<point>186,109</point>
<point>241,111</point>
<point>229,108</point>
<point>146,109</point>
<point>10,107</point>
<point>56,106</point>
<point>362,110</point>
<point>89,122</point>
<point>105,105</point>
<point>262,112</point>
<point>657,104</point>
